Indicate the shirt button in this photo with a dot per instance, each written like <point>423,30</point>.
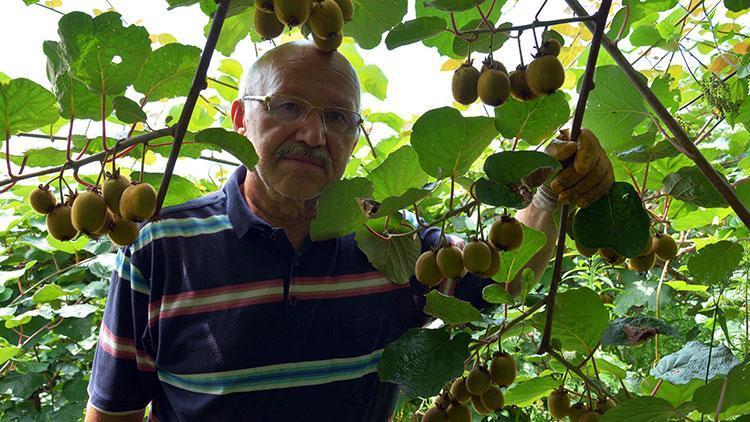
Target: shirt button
<point>293,301</point>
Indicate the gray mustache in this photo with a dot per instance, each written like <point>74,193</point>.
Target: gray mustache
<point>298,148</point>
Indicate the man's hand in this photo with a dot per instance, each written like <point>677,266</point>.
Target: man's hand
<point>587,173</point>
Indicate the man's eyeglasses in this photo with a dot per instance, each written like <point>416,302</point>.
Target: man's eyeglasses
<point>287,108</point>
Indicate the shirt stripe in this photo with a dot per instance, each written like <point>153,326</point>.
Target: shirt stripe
<point>277,376</point>
<point>127,271</point>
<point>180,227</point>
<point>124,348</point>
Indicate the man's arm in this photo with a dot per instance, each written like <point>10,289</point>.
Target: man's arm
<point>540,219</point>
<point>95,415</point>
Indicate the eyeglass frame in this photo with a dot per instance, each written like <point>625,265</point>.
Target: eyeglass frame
<point>266,99</point>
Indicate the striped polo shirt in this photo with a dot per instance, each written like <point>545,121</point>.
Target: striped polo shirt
<point>212,315</point>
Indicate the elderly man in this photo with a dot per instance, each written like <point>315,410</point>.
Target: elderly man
<point>224,309</point>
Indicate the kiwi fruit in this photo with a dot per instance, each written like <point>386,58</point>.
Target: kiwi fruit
<point>450,261</point>
<point>123,232</point>
<point>558,403</point>
<point>642,263</point>
<point>493,398</point>
<point>519,88</point>
<point>545,75</point>
<point>138,202</point>
<point>478,381</point>
<point>326,19</point>
<point>265,6</point>
<point>493,87</point>
<point>329,44</point>
<point>503,369</point>
<point>665,247</point>
<point>590,416</point>
<point>576,411</point>
<point>476,401</point>
<point>427,270</point>
<point>112,190</point>
<point>89,212</point>
<point>107,226</point>
<point>493,64</point>
<point>347,9</point>
<point>292,12</point>
<point>477,256</point>
<point>551,47</point>
<point>459,391</point>
<point>611,256</point>
<point>60,224</point>
<point>587,252</point>
<point>494,263</point>
<point>607,297</point>
<point>458,412</point>
<point>42,200</point>
<point>435,414</point>
<point>648,248</point>
<point>464,84</point>
<point>266,25</point>
<point>605,404</point>
<point>506,233</point>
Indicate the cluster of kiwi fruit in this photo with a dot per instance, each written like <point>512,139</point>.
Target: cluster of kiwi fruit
<point>324,19</point>
<point>559,406</point>
<point>481,386</point>
<point>478,256</point>
<point>493,84</point>
<point>662,246</point>
<point>115,210</point>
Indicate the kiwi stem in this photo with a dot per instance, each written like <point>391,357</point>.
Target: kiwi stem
<point>369,143</point>
<point>375,233</point>
<point>713,332</point>
<point>539,12</point>
<point>143,161</point>
<point>70,138</point>
<point>588,381</point>
<point>645,179</point>
<point>104,122</point>
<point>443,240</point>
<point>520,51</point>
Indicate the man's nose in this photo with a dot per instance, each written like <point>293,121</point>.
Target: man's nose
<point>313,129</point>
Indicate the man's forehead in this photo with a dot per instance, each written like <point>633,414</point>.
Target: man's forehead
<point>328,87</point>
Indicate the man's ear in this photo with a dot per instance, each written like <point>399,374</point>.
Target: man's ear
<point>238,117</point>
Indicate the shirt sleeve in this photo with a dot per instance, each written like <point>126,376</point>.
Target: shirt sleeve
<point>122,370</point>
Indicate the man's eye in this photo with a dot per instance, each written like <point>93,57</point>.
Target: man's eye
<point>288,107</point>
<point>336,116</point>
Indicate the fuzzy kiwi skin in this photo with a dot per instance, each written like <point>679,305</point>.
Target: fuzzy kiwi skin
<point>123,232</point>
<point>506,234</point>
<point>494,64</point>
<point>267,25</point>
<point>503,369</point>
<point>292,12</point>
<point>476,401</point>
<point>450,261</point>
<point>477,256</point>
<point>329,44</point>
<point>89,212</point>
<point>493,398</point>
<point>60,224</point>
<point>558,403</point>
<point>665,247</point>
<point>494,263</point>
<point>326,19</point>
<point>434,414</point>
<point>478,381</point>
<point>587,252</point>
<point>642,263</point>
<point>519,87</point>
<point>493,87</point>
<point>107,226</point>
<point>427,270</point>
<point>112,190</point>
<point>545,75</point>
<point>590,416</point>
<point>464,84</point>
<point>551,47</point>
<point>347,9</point>
<point>611,256</point>
<point>459,391</point>
<point>458,412</point>
<point>576,411</point>
<point>42,200</point>
<point>138,202</point>
<point>265,6</point>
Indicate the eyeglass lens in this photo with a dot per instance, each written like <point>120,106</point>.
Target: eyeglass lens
<point>289,109</point>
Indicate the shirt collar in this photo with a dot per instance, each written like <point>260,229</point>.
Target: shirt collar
<point>240,215</point>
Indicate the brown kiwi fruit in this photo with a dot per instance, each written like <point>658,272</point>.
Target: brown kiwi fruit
<point>107,226</point>
<point>642,263</point>
<point>551,47</point>
<point>435,414</point>
<point>464,84</point>
<point>493,87</point>
<point>450,261</point>
<point>42,200</point>
<point>329,44</point>
<point>493,64</point>
<point>576,411</point>
<point>265,6</point>
<point>603,405</point>
<point>506,234</point>
<point>590,416</point>
<point>477,256</point>
<point>123,232</point>
<point>519,88</point>
<point>611,256</point>
<point>648,248</point>
<point>558,403</point>
<point>89,212</point>
<point>427,270</point>
<point>494,263</point>
<point>493,398</point>
<point>476,401</point>
<point>587,252</point>
<point>459,391</point>
<point>112,190</point>
<point>665,247</point>
<point>503,369</point>
<point>326,19</point>
<point>478,381</point>
<point>138,202</point>
<point>607,297</point>
<point>60,224</point>
<point>267,25</point>
<point>347,9</point>
<point>458,412</point>
<point>545,75</point>
<point>292,12</point>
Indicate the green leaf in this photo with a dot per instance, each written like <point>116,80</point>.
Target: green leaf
<point>508,173</point>
<point>392,204</point>
<point>423,360</point>
<point>372,18</point>
<point>76,311</point>
<point>13,275</point>
<point>644,153</point>
<point>533,121</point>
<point>601,224</point>
<point>339,211</point>
<point>128,111</point>
<point>691,361</point>
<point>675,394</point>
<point>234,30</point>
<point>102,53</point>
<point>511,262</point>
<point>25,106</point>
<point>373,81</point>
<point>395,258</point>
<point>399,172</point>
<point>614,108</point>
<point>631,331</point>
<point>180,189</point>
<point>69,246</point>
<point>72,95</point>
<point>453,5</point>
<point>737,5</point>
<point>642,409</point>
<point>496,293</point>
<point>450,309</point>
<point>7,353</point>
<point>21,385</point>
<point>448,143</point>
<point>393,120</point>
<point>41,157</point>
<point>232,142</point>
<point>706,398</point>
<point>716,262</point>
<point>48,293</point>
<point>525,393</point>
<point>681,286</point>
<point>168,72</point>
<point>690,185</point>
<point>231,67</point>
<point>414,30</point>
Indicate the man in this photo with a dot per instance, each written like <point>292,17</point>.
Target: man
<point>224,309</point>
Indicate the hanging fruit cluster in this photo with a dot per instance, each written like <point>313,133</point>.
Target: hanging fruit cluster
<point>323,18</point>
<point>481,386</point>
<point>558,405</point>
<point>662,246</point>
<point>115,210</point>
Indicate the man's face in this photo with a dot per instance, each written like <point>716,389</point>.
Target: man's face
<point>297,159</point>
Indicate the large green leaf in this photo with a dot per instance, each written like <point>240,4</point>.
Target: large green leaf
<point>716,262</point>
<point>168,72</point>
<point>372,18</point>
<point>231,142</point>
<point>48,293</point>
<point>128,111</point>
<point>508,183</point>
<point>395,258</point>
<point>452,5</point>
<point>525,393</point>
<point>339,212</point>
<point>737,5</point>
<point>496,293</point>
<point>511,262</point>
<point>690,185</point>
<point>675,394</point>
<point>644,153</point>
<point>373,81</point>
<point>691,361</point>
<point>25,106</point>
<point>614,108</point>
<point>399,172</point>
<point>414,30</point>
<point>450,309</point>
<point>616,220</point>
<point>631,331</point>
<point>102,53</point>
<point>533,121</point>
<point>642,409</point>
<point>706,398</point>
<point>40,157</point>
<point>234,30</point>
<point>448,143</point>
<point>423,360</point>
<point>74,98</point>
<point>392,204</point>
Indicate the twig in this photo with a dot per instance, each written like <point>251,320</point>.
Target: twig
<point>601,391</point>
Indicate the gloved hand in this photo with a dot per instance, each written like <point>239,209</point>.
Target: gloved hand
<point>587,173</point>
